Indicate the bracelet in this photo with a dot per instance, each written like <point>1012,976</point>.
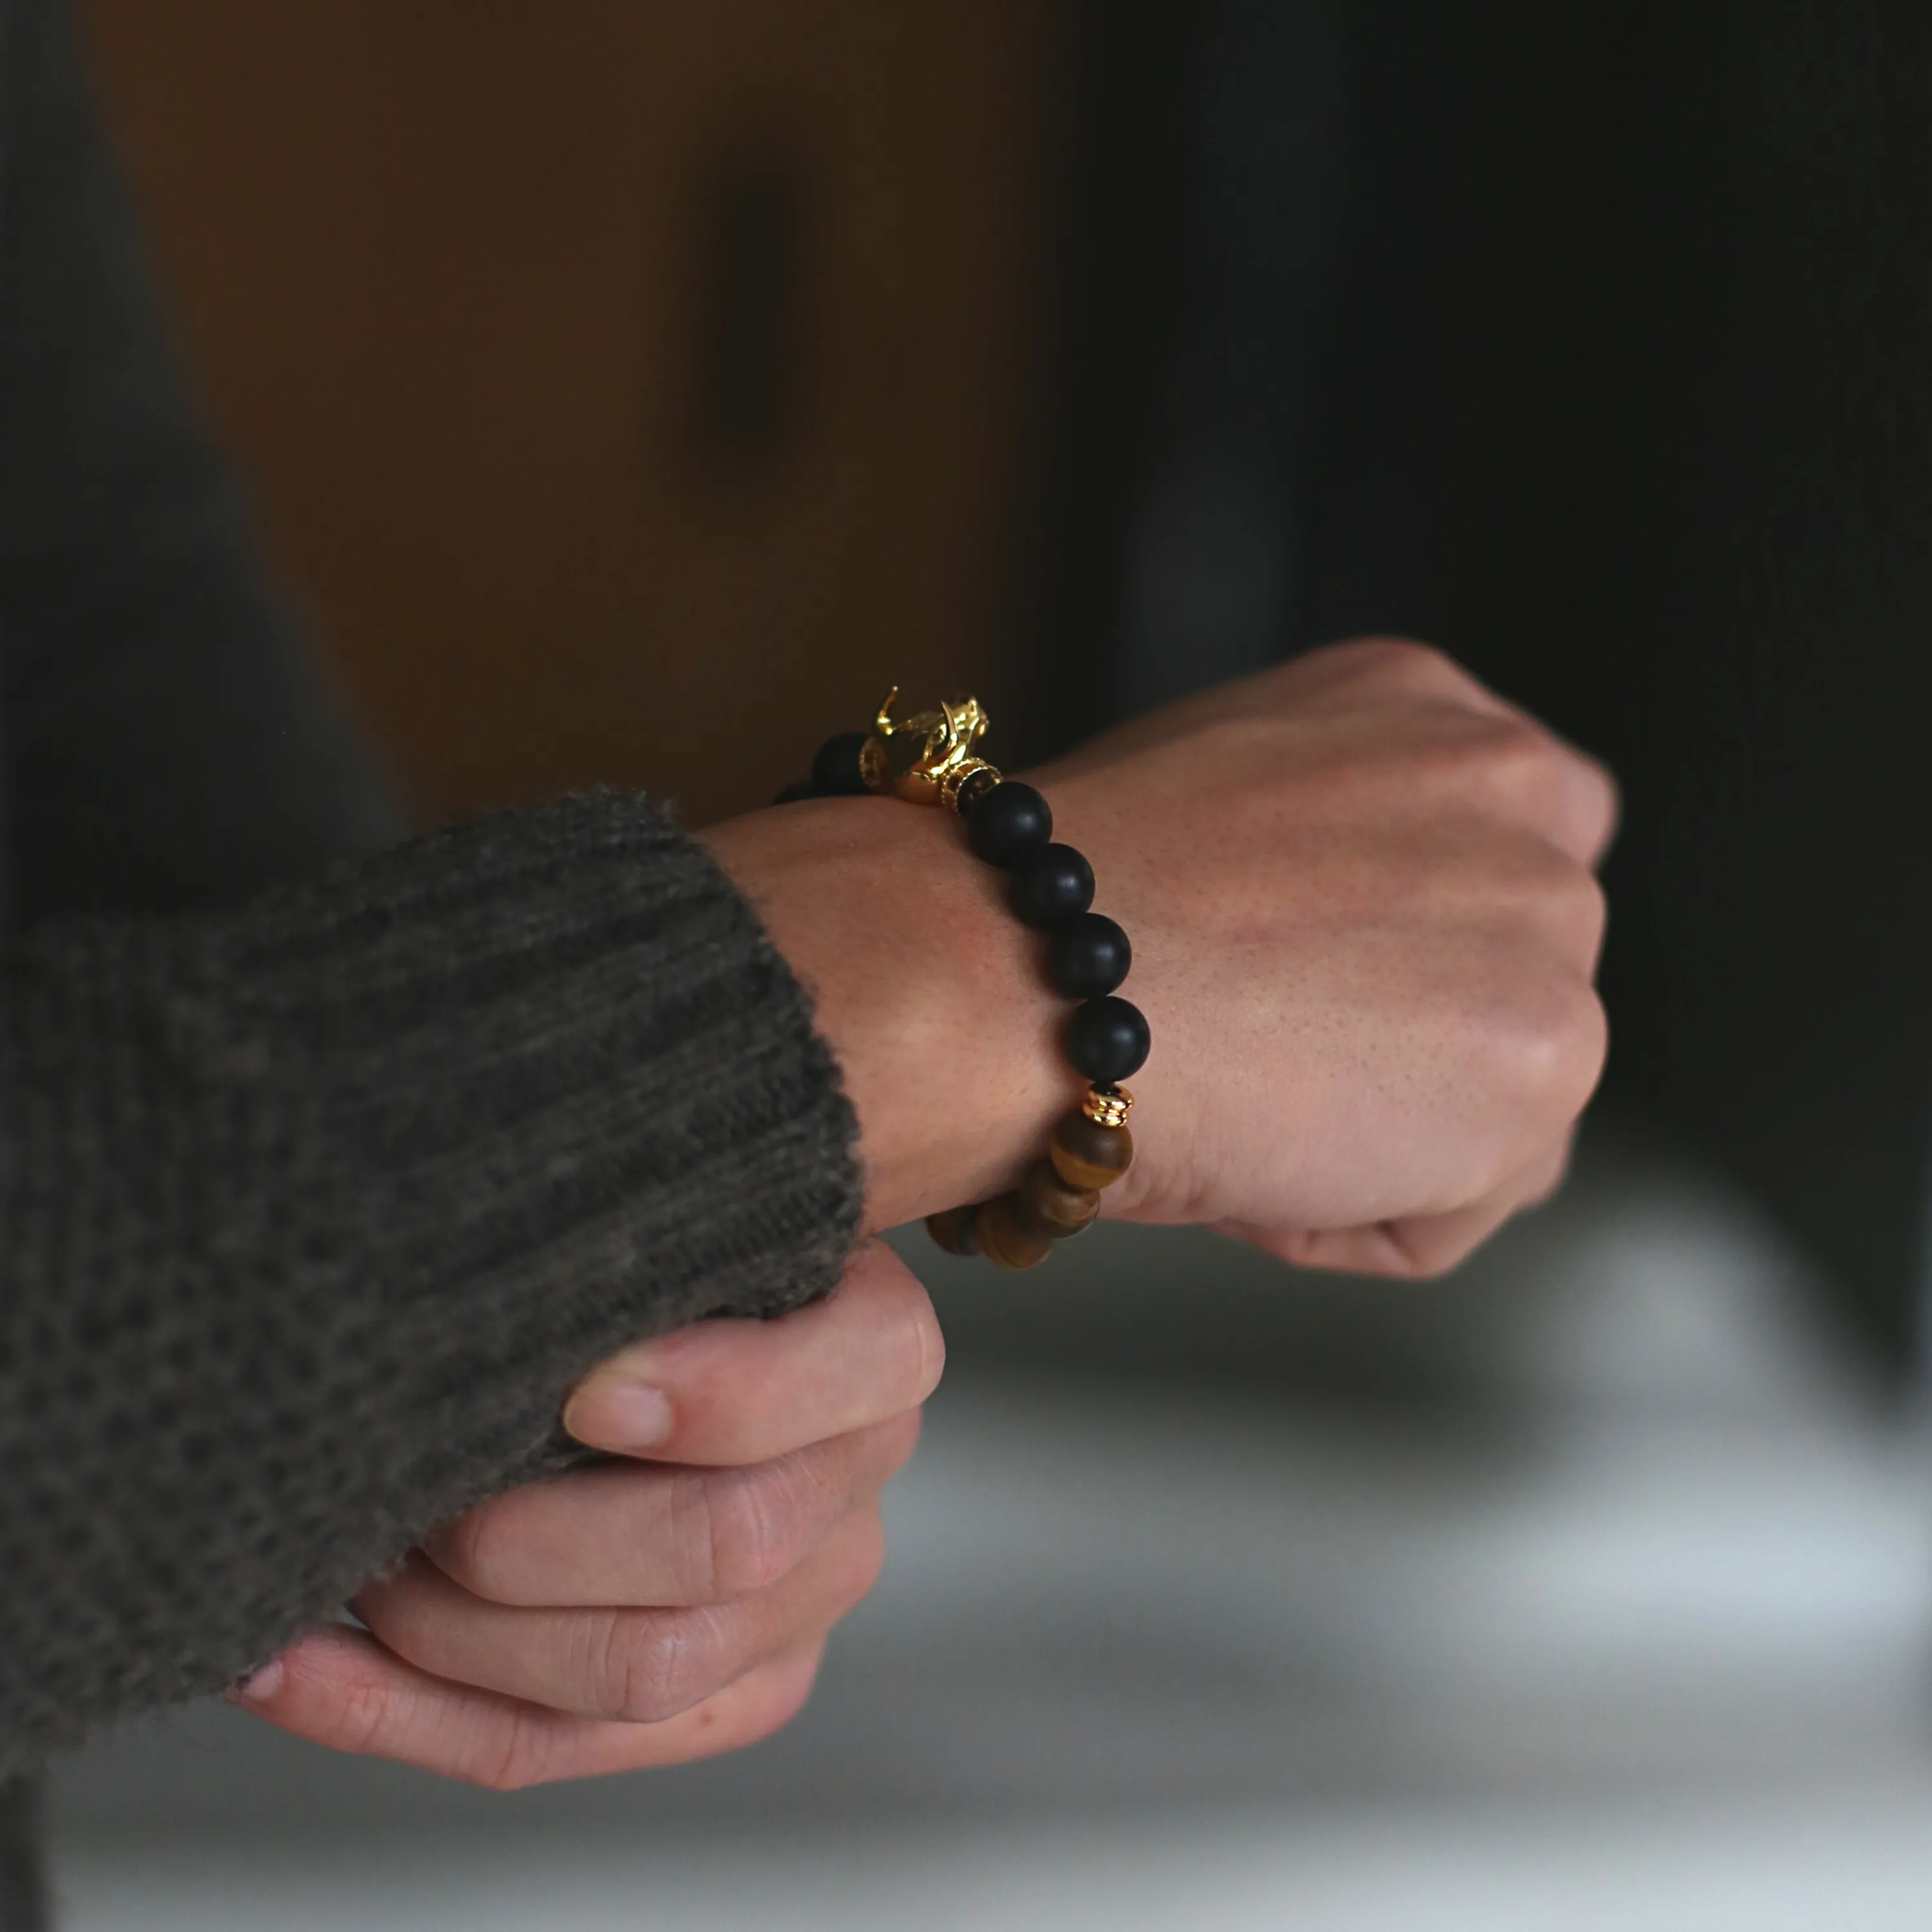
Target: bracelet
<point>929,759</point>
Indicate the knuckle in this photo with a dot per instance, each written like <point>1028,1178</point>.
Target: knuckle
<point>1560,1039</point>
<point>1431,1261</point>
<point>1411,659</point>
<point>1551,784</point>
<point>643,1666</point>
<point>470,1551</point>
<point>1589,907</point>
<point>1406,660</point>
<point>513,1765</point>
<point>367,1715</point>
<point>1556,893</point>
<point>1470,758</point>
<point>1520,748</point>
<point>1604,795</point>
<point>757,1520</point>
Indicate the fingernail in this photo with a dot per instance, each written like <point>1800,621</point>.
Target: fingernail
<point>631,1416</point>
<point>259,1687</point>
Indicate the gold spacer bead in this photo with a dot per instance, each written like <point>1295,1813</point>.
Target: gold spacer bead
<point>1108,1106</point>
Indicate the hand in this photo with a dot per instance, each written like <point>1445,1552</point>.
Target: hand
<point>646,1612</point>
<point>1360,891</point>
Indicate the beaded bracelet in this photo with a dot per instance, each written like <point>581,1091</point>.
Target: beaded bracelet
<point>929,759</point>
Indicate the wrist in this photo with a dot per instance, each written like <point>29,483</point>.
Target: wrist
<point>923,984</point>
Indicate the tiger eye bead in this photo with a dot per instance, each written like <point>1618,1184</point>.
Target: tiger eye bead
<point>1088,1155</point>
<point>1007,1239</point>
<point>956,1230</point>
<point>1055,1207</point>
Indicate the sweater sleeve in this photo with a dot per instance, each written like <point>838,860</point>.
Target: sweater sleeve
<point>315,1197</point>
<point>311,1212</point>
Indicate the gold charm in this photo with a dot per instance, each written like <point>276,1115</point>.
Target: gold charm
<point>924,759</point>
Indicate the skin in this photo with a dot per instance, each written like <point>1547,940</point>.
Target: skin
<point>1366,923</point>
<point>655,1610</point>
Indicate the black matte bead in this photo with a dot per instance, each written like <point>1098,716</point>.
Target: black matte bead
<point>1087,957</point>
<point>834,772</point>
<point>1010,821</point>
<point>794,794</point>
<point>1051,884</point>
<point>1107,1040</point>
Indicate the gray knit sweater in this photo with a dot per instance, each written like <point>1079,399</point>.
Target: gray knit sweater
<point>326,1164</point>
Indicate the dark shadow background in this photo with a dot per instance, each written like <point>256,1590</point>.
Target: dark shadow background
<point>1080,354</point>
<point>1590,341</point>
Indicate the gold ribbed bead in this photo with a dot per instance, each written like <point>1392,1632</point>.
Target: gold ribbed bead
<point>963,788</point>
<point>1108,1106</point>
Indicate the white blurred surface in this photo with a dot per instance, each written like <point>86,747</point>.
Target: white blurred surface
<point>1637,1639</point>
<point>1851,1858</point>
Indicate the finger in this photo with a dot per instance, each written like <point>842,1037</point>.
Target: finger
<point>1420,1247</point>
<point>1531,879</point>
<point>636,1667</point>
<point>734,1392</point>
<point>1578,796</point>
<point>1402,666</point>
<point>1523,771</point>
<point>343,1690</point>
<point>1583,804</point>
<point>1457,870</point>
<point>626,1534</point>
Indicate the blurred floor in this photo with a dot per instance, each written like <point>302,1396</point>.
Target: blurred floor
<point>1590,1589</point>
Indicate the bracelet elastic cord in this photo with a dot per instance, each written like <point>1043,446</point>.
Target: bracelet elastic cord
<point>929,759</point>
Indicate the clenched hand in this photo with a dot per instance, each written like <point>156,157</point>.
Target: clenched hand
<point>651,1610</point>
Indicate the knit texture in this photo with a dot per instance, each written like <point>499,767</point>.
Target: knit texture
<point>313,1205</point>
<point>313,1212</point>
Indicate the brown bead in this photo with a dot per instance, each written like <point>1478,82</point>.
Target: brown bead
<point>1006,1237</point>
<point>1089,1155</point>
<point>955,1230</point>
<point>1055,1207</point>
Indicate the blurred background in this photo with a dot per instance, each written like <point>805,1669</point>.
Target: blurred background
<point>606,372</point>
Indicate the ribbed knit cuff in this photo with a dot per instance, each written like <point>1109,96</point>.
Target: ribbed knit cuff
<point>327,1204</point>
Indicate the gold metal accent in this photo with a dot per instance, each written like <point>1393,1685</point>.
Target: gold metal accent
<point>974,784</point>
<point>966,782</point>
<point>1108,1106</point>
<point>924,759</point>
